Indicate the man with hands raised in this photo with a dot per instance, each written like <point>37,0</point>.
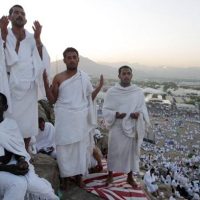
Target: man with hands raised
<point>25,58</point>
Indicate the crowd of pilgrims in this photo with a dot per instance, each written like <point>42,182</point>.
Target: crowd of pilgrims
<point>175,151</point>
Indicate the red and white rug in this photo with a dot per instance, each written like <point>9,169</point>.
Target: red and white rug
<point>118,190</point>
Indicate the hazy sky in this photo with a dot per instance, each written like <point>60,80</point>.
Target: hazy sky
<point>149,32</point>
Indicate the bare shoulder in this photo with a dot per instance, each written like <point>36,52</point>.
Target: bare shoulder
<point>59,78</point>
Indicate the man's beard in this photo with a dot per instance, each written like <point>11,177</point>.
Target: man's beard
<point>72,67</point>
<point>125,83</point>
<point>19,23</point>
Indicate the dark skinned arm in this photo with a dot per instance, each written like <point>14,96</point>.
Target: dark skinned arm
<point>21,168</point>
<point>37,28</point>
<point>13,169</point>
<point>6,158</point>
<point>98,88</point>
<point>21,162</point>
<point>51,91</point>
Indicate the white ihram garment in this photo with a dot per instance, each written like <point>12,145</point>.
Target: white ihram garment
<point>25,80</point>
<point>4,87</point>
<point>149,182</point>
<point>125,135</point>
<point>28,187</point>
<point>73,121</point>
<point>45,138</point>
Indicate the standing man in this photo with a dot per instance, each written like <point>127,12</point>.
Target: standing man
<point>25,59</point>
<point>72,93</point>
<point>125,114</point>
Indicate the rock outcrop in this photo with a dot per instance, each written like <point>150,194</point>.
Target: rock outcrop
<point>46,167</point>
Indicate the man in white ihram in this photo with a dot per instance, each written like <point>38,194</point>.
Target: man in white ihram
<point>18,180</point>
<point>24,58</point>
<point>72,93</point>
<point>150,182</point>
<point>125,115</point>
<point>45,140</point>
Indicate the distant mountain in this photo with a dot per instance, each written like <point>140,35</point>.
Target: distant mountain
<point>161,72</point>
<point>170,73</point>
<point>141,72</point>
<point>92,68</point>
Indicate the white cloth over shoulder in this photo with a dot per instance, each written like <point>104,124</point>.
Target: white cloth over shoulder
<point>31,187</point>
<point>126,133</point>
<point>26,67</point>
<point>74,110</point>
<point>4,87</point>
<point>73,122</point>
<point>127,100</point>
<point>10,138</point>
<point>25,80</point>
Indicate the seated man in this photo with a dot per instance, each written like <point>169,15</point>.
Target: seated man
<point>45,140</point>
<point>150,182</point>
<point>18,180</point>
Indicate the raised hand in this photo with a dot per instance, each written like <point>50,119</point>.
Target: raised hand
<point>101,81</point>
<point>98,88</point>
<point>37,28</point>
<point>4,27</point>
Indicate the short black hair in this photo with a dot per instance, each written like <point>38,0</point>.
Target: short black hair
<point>11,9</point>
<point>4,99</point>
<point>124,67</point>
<point>70,49</point>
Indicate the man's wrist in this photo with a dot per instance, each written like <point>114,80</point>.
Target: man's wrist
<point>38,43</point>
<point>4,45</point>
<point>3,42</point>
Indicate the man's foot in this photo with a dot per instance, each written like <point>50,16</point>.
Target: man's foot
<point>109,180</point>
<point>132,182</point>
